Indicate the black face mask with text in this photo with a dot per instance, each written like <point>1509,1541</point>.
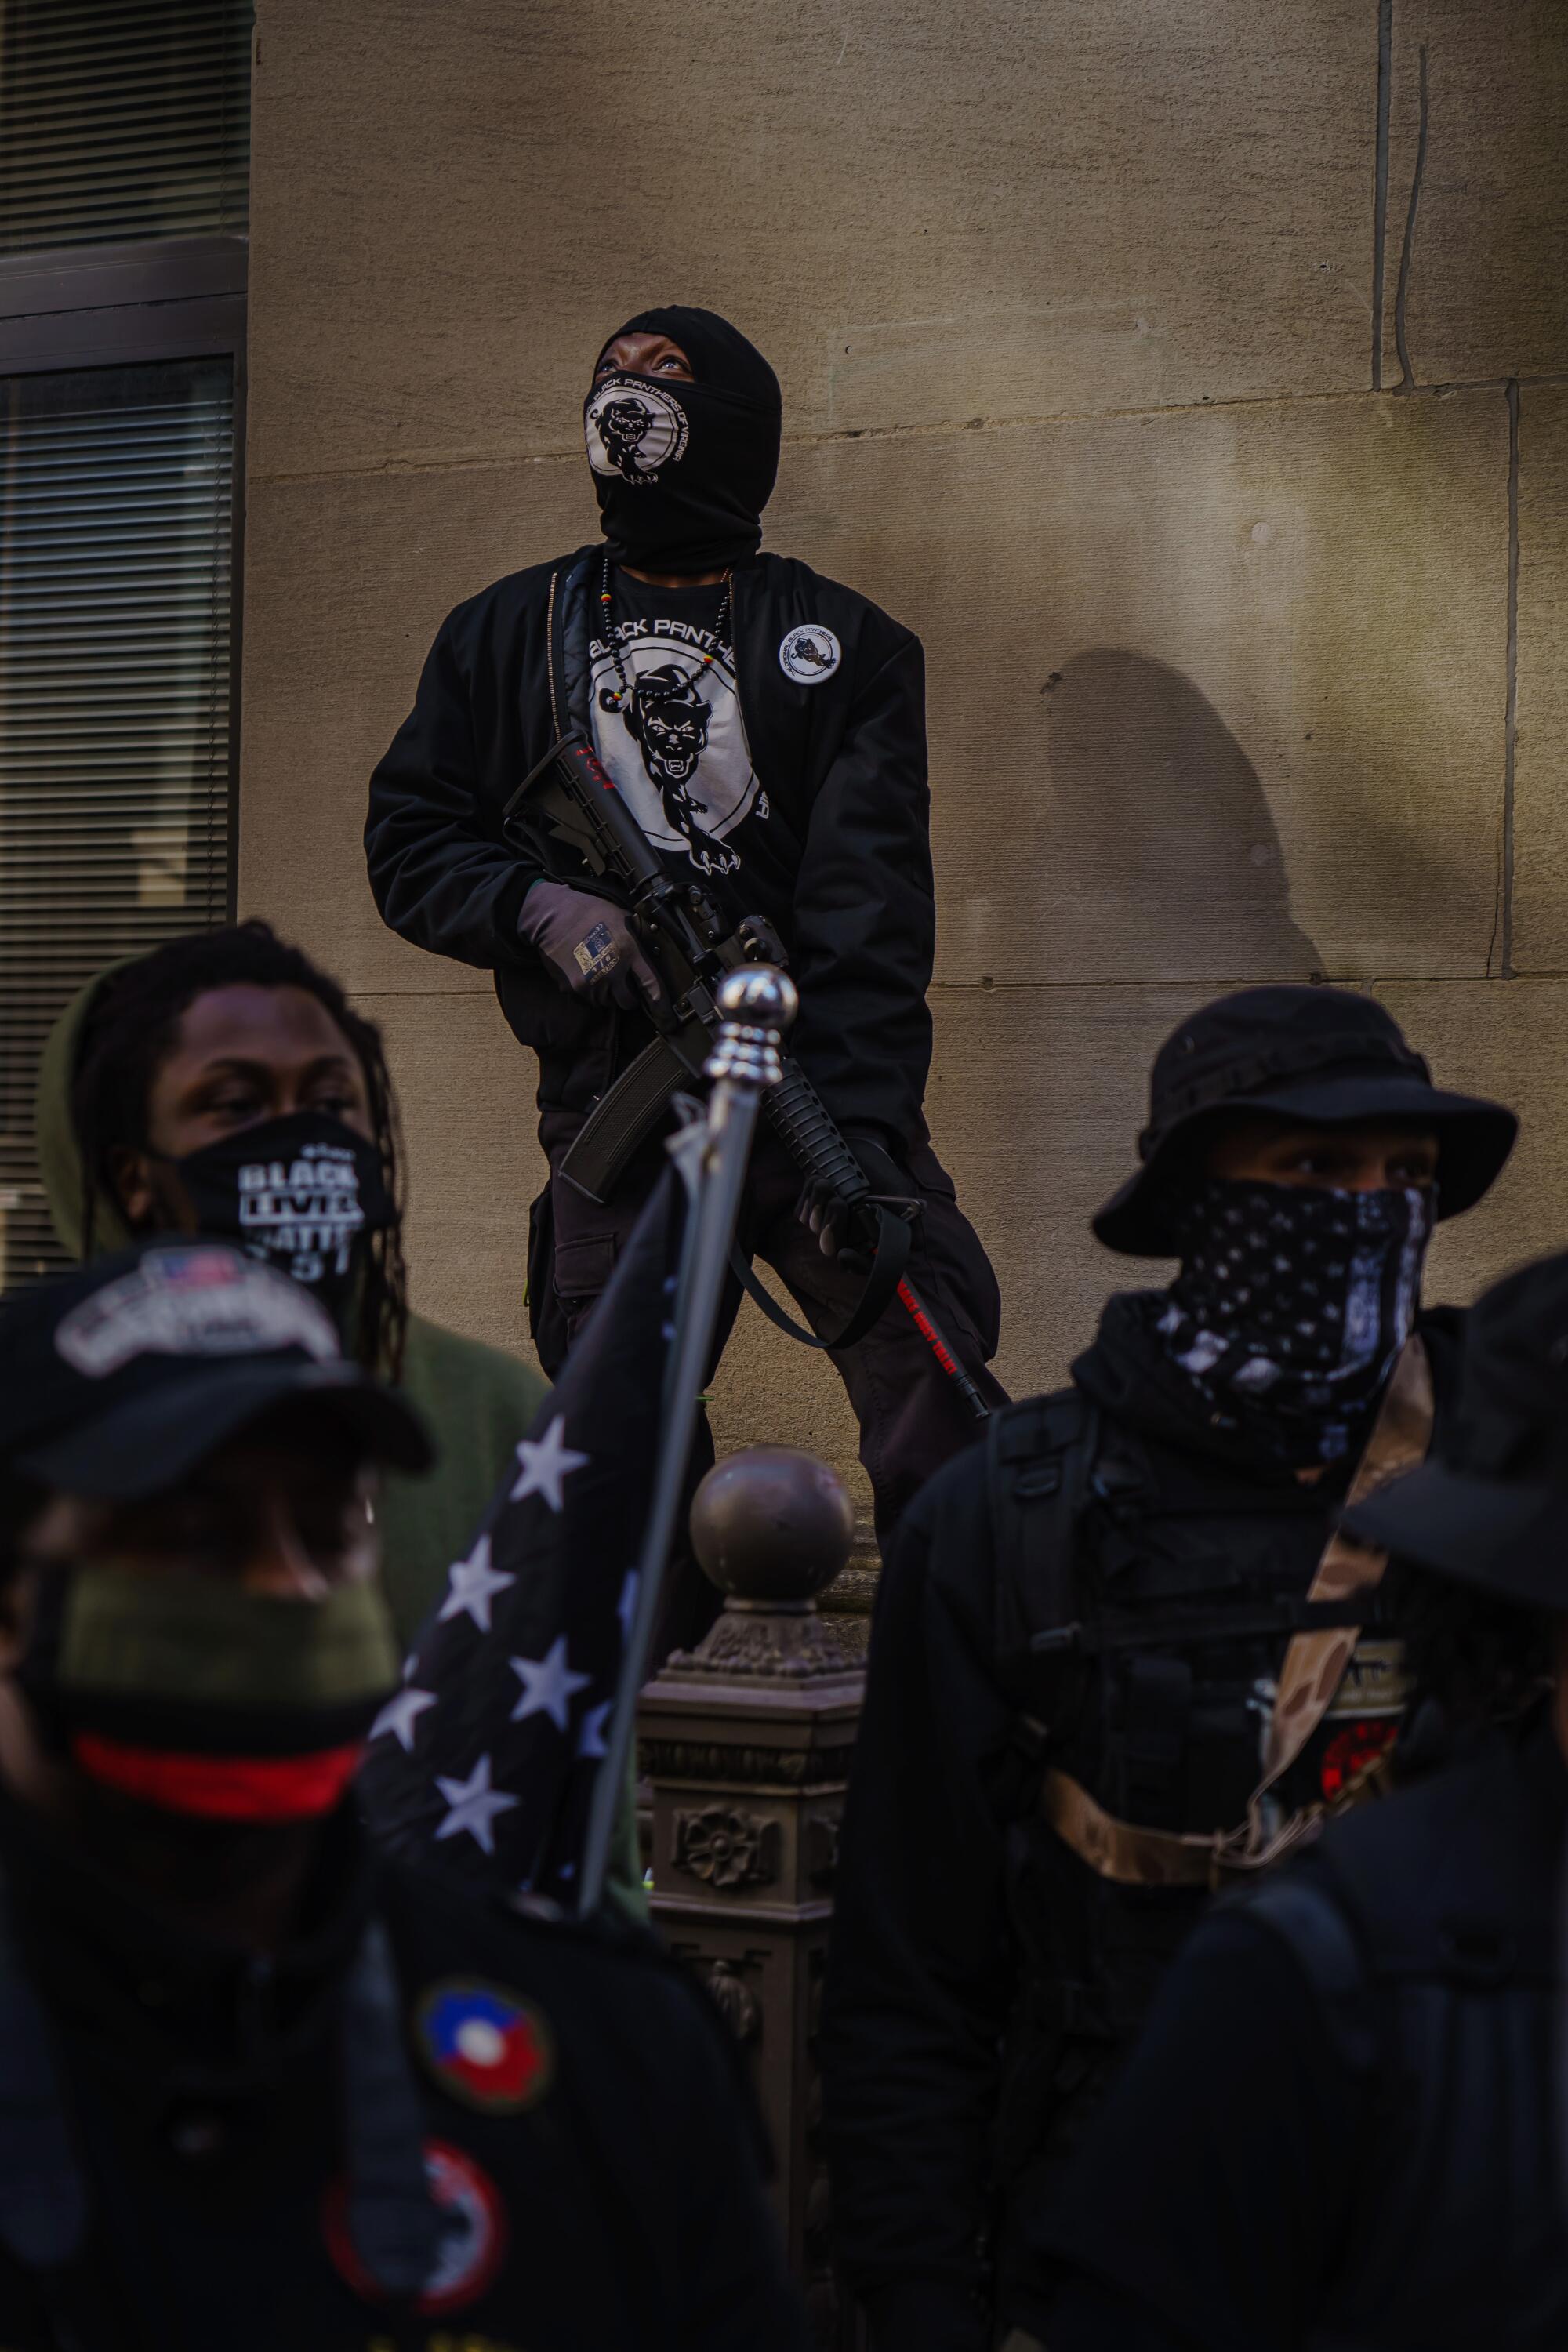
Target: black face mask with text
<point>303,1194</point>
<point>682,471</point>
<point>1292,1304</point>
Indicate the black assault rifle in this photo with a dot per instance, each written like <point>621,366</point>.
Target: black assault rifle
<point>570,797</point>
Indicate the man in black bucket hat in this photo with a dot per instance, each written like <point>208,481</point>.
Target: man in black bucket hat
<point>1251,2180</point>
<point>260,2085</point>
<point>1120,1652</point>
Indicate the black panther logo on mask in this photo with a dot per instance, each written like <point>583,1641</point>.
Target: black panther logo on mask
<point>633,429</point>
<point>622,428</point>
<point>668,721</point>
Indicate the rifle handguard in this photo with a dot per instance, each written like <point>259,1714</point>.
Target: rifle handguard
<point>813,1141</point>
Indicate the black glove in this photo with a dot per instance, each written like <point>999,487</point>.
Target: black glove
<point>892,1186</point>
<point>588,945</point>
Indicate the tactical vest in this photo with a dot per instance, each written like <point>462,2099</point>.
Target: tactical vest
<point>1145,1599</point>
<point>1427,1931</point>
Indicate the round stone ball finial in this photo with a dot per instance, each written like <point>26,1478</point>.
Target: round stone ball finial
<point>772,1524</point>
<point>759,997</point>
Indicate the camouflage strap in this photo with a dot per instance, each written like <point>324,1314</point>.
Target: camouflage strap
<point>1124,1851</point>
<point>1314,1667</point>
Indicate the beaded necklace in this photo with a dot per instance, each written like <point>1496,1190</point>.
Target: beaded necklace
<point>644,693</point>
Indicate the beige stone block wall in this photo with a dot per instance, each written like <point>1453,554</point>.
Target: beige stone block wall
<point>1475,227</point>
<point>1539,932</point>
<point>1233,510</point>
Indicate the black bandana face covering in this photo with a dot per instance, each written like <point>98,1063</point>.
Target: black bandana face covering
<point>1292,1304</point>
<point>682,471</point>
<point>303,1194</point>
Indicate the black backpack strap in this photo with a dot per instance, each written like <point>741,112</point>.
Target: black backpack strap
<point>392,2217</point>
<point>1039,1457</point>
<point>43,2198</point>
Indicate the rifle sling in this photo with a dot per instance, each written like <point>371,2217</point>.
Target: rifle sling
<point>892,1256</point>
<point>1223,1621</point>
<point>1309,1678</point>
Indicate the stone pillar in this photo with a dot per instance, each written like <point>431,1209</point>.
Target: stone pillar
<point>746,1743</point>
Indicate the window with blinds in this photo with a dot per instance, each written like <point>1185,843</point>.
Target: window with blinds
<point>122,118</point>
<point>116,504</point>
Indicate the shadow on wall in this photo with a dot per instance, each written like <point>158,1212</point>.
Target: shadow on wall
<point>1165,860</point>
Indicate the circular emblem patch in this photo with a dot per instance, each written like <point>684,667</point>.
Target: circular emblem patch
<point>809,654</point>
<point>485,2046</point>
<point>473,2232</point>
<point>633,429</point>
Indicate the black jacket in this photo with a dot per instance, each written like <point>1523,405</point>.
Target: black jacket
<point>610,2194</point>
<point>1338,2128</point>
<point>842,866</point>
<point>982,1983</point>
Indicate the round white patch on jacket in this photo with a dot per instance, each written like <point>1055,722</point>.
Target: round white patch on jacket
<point>810,654</point>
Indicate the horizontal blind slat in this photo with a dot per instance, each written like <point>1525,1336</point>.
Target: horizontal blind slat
<point>123,121</point>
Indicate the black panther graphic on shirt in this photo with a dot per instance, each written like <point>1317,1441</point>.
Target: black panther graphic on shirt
<point>678,749</point>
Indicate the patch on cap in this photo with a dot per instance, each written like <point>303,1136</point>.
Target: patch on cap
<point>200,1301</point>
<point>809,654</point>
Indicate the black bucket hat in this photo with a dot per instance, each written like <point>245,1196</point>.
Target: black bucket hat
<point>118,1379</point>
<point>1490,1507</point>
<point>1322,1055</point>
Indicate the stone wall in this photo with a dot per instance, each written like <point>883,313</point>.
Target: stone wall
<point>1194,378</point>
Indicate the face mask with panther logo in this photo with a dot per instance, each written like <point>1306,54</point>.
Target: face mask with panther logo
<point>682,471</point>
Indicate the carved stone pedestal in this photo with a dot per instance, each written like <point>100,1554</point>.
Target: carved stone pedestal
<point>746,1743</point>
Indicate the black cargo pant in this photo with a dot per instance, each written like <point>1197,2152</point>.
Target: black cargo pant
<point>912,1418</point>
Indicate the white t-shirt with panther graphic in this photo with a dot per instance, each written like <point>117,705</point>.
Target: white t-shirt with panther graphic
<point>679,753</point>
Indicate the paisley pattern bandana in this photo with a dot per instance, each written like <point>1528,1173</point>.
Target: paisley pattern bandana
<point>1292,1304</point>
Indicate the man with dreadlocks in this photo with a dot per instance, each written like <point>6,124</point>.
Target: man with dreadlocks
<point>224,1084</point>
<point>766,727</point>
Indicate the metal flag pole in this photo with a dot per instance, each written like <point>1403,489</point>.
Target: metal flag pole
<point>758,1005</point>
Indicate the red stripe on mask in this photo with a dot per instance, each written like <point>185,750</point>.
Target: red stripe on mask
<point>222,1788</point>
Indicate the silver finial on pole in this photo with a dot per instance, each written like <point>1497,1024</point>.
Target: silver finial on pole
<point>758,1004</point>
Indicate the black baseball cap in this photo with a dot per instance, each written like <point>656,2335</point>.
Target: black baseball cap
<point>117,1380</point>
<point>1322,1055</point>
<point>1489,1507</point>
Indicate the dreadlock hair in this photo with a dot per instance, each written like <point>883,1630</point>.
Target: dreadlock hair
<point>131,1028</point>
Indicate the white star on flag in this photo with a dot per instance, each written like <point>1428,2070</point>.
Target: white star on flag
<point>400,1714</point>
<point>544,1463</point>
<point>474,1586</point>
<point>473,1805</point>
<point>591,1738</point>
<point>548,1685</point>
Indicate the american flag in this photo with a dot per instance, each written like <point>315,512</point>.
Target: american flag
<point>485,1760</point>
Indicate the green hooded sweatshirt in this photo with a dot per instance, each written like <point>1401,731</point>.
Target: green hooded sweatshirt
<point>476,1402</point>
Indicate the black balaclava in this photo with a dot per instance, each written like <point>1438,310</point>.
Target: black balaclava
<point>682,471</point>
<point>1292,1304</point>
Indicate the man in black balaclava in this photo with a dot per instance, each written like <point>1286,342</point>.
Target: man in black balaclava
<point>766,727</point>
<point>1119,1651</point>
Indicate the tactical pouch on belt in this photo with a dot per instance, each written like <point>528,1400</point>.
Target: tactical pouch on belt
<point>1316,1661</point>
